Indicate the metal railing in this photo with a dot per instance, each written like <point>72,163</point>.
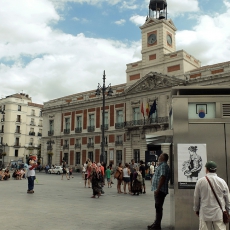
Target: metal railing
<point>118,143</point>
<point>106,127</point>
<point>18,121</point>
<point>50,133</point>
<point>32,123</point>
<point>1,131</point>
<point>17,145</point>
<point>78,130</point>
<point>66,131</point>
<point>91,128</point>
<point>32,133</point>
<point>39,134</point>
<point>119,125</point>
<point>147,121</point>
<point>66,146</point>
<point>90,145</point>
<point>77,146</point>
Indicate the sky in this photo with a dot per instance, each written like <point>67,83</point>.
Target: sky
<point>55,48</point>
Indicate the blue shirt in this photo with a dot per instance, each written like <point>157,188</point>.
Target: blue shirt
<point>161,170</point>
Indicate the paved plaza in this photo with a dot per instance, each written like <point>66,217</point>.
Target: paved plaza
<point>66,205</point>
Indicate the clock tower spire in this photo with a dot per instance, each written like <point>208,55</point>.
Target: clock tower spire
<point>158,9</point>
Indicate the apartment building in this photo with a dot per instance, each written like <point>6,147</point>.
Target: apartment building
<point>21,128</point>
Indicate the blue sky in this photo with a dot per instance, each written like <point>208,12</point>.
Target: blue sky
<point>54,48</point>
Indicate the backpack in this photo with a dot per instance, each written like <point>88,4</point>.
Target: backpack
<point>139,177</point>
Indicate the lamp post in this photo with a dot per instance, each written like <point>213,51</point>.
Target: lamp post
<point>2,152</point>
<point>50,148</point>
<point>102,89</point>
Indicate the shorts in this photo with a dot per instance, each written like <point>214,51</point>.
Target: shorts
<point>108,180</point>
<point>86,176</point>
<point>151,176</point>
<point>126,179</point>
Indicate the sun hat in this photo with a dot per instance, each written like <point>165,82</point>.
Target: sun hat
<point>211,165</point>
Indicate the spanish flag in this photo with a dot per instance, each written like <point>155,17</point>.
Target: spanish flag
<point>147,109</point>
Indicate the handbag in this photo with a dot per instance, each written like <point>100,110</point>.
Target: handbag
<point>226,217</point>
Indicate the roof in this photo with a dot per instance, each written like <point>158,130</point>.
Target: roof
<point>35,105</point>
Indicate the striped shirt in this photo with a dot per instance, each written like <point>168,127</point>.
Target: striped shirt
<point>162,170</point>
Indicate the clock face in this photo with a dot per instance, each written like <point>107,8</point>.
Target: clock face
<point>169,39</point>
<point>152,39</point>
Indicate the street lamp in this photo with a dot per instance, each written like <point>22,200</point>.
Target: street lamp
<point>103,89</point>
<point>2,152</point>
<point>50,148</point>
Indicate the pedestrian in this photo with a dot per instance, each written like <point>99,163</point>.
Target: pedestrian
<point>132,166</point>
<point>70,172</point>
<point>119,176</point>
<point>83,171</point>
<point>151,171</point>
<point>206,205</point>
<point>142,170</point>
<point>108,176</point>
<point>95,177</point>
<point>160,188</point>
<point>137,182</point>
<point>64,170</point>
<point>31,173</point>
<point>112,172</point>
<point>126,178</point>
<point>89,169</point>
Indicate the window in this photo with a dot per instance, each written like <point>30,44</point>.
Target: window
<point>40,113</point>
<point>4,107</point>
<point>79,121</point>
<point>66,142</point>
<point>119,116</point>
<point>19,108</point>
<point>17,129</point>
<point>1,140</point>
<point>136,155</point>
<point>90,156</point>
<point>66,157</point>
<point>31,141</point>
<point>77,162</point>
<point>136,113</point>
<point>32,121</point>
<point>2,129</point>
<point>3,117</point>
<point>18,118</point>
<point>40,123</point>
<point>90,140</point>
<point>16,152</point>
<point>106,118</point>
<point>67,123</point>
<point>91,119</point>
<point>32,112</point>
<point>51,128</point>
<point>118,157</point>
<point>17,141</point>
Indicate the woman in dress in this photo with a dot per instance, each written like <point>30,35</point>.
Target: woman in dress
<point>137,182</point>
<point>95,177</point>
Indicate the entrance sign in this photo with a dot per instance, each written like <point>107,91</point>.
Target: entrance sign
<point>191,164</point>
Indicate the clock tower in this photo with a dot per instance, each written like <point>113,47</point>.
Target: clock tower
<point>159,47</point>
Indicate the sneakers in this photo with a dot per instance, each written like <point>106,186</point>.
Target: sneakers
<point>154,227</point>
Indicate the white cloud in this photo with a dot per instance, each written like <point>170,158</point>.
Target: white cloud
<point>120,22</point>
<point>138,20</point>
<point>75,19</point>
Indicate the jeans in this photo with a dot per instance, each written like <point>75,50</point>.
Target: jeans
<point>159,201</point>
<point>31,182</point>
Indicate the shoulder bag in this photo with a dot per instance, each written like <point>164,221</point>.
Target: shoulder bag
<point>226,217</point>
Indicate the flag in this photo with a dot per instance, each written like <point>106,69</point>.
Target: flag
<point>153,108</point>
<point>147,109</point>
<point>142,109</point>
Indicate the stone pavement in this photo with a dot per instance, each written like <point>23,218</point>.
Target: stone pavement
<point>66,205</point>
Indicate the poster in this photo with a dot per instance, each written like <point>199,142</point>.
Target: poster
<point>191,164</point>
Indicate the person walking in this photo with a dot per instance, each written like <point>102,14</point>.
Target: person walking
<point>132,166</point>
<point>142,170</point>
<point>206,205</point>
<point>151,171</point>
<point>64,171</point>
<point>160,188</point>
<point>108,176</point>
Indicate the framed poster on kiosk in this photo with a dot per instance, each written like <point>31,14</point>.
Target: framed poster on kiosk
<point>191,164</point>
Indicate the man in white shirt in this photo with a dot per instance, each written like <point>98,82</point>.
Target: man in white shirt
<point>205,203</point>
<point>151,171</point>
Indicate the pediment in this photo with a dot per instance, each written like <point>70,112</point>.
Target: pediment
<point>154,81</point>
<point>150,21</point>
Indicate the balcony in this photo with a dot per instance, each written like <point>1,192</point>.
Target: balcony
<point>32,133</point>
<point>3,119</point>
<point>17,145</point>
<point>31,144</point>
<point>17,132</point>
<point>91,128</point>
<point>66,131</point>
<point>1,130</point>
<point>147,122</point>
<point>49,147</point>
<point>18,121</point>
<point>66,146</point>
<point>106,127</point>
<point>32,114</point>
<point>118,143</point>
<point>77,146</point>
<point>78,130</point>
<point>32,123</point>
<point>90,145</point>
<point>40,125</point>
<point>119,125</point>
<point>50,133</point>
<point>39,134</point>
<point>105,144</point>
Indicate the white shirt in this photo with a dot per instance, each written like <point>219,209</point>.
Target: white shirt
<point>85,166</point>
<point>30,172</point>
<point>151,168</point>
<point>205,201</point>
<point>125,172</point>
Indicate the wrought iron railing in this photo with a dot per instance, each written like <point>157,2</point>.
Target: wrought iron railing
<point>78,130</point>
<point>90,145</point>
<point>106,127</point>
<point>66,131</point>
<point>50,133</point>
<point>32,133</point>
<point>118,142</point>
<point>91,128</point>
<point>77,146</point>
<point>119,125</point>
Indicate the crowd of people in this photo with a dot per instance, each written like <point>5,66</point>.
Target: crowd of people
<point>130,177</point>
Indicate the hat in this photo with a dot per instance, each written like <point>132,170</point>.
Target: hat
<point>211,165</point>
